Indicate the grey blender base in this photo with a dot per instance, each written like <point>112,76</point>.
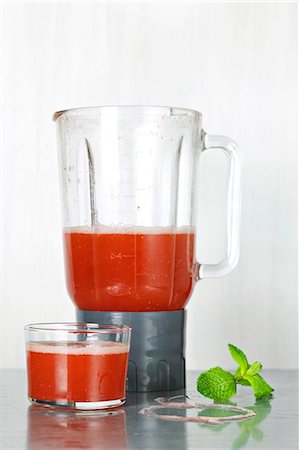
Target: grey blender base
<point>157,354</point>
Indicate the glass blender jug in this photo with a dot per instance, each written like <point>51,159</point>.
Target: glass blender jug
<point>129,182</point>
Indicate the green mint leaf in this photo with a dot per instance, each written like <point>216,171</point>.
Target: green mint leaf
<point>239,357</point>
<point>217,384</point>
<point>255,368</point>
<point>260,387</point>
<point>239,379</point>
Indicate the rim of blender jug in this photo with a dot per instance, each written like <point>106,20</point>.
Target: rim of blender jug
<point>173,110</point>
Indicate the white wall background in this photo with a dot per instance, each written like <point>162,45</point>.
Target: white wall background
<point>235,62</point>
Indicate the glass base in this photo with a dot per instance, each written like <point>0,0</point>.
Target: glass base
<point>81,406</point>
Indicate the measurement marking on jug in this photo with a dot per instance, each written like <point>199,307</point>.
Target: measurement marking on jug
<point>115,255</point>
<point>120,256</point>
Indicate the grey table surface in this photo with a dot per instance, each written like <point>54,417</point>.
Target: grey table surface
<point>24,426</point>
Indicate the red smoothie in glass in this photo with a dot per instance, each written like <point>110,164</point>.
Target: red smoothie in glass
<point>77,372</point>
<point>140,270</point>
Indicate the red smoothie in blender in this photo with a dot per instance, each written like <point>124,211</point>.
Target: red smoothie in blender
<point>142,269</point>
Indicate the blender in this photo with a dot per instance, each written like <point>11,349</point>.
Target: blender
<point>129,181</point>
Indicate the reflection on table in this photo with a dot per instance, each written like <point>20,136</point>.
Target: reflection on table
<point>52,429</point>
<point>247,428</point>
<point>124,428</point>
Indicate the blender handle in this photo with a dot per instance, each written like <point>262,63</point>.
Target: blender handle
<point>231,258</point>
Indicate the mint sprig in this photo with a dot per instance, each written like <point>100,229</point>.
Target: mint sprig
<point>221,385</point>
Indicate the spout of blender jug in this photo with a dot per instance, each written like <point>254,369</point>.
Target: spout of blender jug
<point>157,353</point>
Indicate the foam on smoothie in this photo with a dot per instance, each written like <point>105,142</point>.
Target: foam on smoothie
<point>78,348</point>
<point>105,229</point>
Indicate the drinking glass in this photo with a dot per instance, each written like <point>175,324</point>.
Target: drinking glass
<point>77,366</point>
